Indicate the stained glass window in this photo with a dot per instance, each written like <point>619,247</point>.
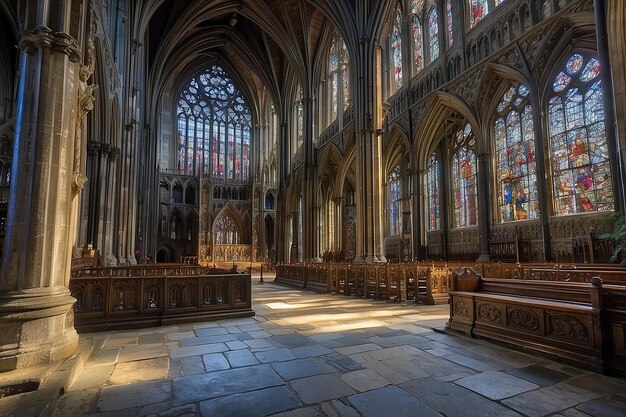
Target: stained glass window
<point>417,8</point>
<point>211,118</point>
<point>225,230</point>
<point>338,77</point>
<point>478,10</point>
<point>464,178</point>
<point>396,48</point>
<point>449,22</point>
<point>330,215</point>
<point>418,44</point>
<point>433,30</point>
<point>578,147</point>
<point>432,182</point>
<point>516,170</point>
<point>393,187</point>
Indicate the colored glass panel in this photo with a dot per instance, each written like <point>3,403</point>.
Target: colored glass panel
<point>464,179</point>
<point>514,139</point>
<point>396,47</point>
<point>418,44</point>
<point>478,10</point>
<point>395,214</point>
<point>432,181</point>
<point>433,32</point>
<point>578,148</point>
<point>449,22</point>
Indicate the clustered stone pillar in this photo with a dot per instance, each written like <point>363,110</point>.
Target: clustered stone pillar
<point>36,316</point>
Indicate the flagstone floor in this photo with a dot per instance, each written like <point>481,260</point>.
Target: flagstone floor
<point>307,355</point>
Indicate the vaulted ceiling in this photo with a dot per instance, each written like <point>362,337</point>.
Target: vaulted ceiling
<point>266,43</point>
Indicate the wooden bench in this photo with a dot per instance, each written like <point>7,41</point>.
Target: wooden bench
<point>557,318</point>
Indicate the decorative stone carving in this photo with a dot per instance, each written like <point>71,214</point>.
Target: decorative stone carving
<point>44,37</point>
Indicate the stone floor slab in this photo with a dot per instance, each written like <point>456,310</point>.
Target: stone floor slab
<point>139,371</point>
<point>215,362</point>
<point>364,380</point>
<point>320,388</point>
<point>121,397</point>
<point>250,404</point>
<point>197,350</point>
<point>496,385</point>
<point>538,374</point>
<point>190,389</point>
<point>453,401</point>
<point>239,358</point>
<point>275,355</point>
<point>390,401</point>
<point>604,408</point>
<point>301,368</point>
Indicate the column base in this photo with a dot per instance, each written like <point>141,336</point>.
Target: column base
<point>37,326</point>
<point>483,258</point>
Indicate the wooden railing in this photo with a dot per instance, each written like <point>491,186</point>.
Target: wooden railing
<point>429,282</point>
<point>135,297</point>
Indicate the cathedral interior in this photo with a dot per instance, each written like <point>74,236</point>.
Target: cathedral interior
<point>434,191</point>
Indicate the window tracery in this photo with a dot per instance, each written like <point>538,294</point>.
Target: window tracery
<point>516,170</point>
<point>226,230</point>
<point>338,77</point>
<point>299,114</point>
<point>424,20</point>
<point>464,178</point>
<point>396,48</point>
<point>578,146</point>
<point>214,127</point>
<point>393,184</point>
<point>432,183</point>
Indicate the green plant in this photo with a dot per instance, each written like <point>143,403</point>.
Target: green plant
<point>617,221</point>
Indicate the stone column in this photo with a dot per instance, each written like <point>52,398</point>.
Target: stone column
<point>483,205</point>
<point>294,251</point>
<point>36,316</point>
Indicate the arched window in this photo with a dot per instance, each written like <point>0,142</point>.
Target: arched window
<point>225,231</point>
<point>214,127</point>
<point>299,114</point>
<point>432,17</point>
<point>449,22</point>
<point>396,48</point>
<point>424,15</point>
<point>464,178</point>
<point>393,187</point>
<point>516,170</point>
<point>417,7</point>
<point>578,147</point>
<point>478,10</point>
<point>338,77</point>
<point>432,182</point>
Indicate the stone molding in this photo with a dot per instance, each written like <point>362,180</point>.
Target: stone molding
<point>44,37</point>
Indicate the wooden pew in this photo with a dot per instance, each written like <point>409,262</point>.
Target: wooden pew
<point>557,318</point>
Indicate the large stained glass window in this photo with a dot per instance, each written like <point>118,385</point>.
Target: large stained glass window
<point>213,127</point>
<point>432,183</point>
<point>464,179</point>
<point>396,48</point>
<point>516,171</point>
<point>478,10</point>
<point>579,153</point>
<point>393,187</point>
<point>432,17</point>
<point>338,77</point>
<point>449,22</point>
<point>417,7</point>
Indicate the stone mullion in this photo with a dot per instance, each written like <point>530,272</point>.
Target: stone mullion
<point>484,225</point>
<point>35,304</point>
<point>417,197</point>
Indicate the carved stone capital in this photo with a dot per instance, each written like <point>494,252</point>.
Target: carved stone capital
<point>93,147</point>
<point>43,37</point>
